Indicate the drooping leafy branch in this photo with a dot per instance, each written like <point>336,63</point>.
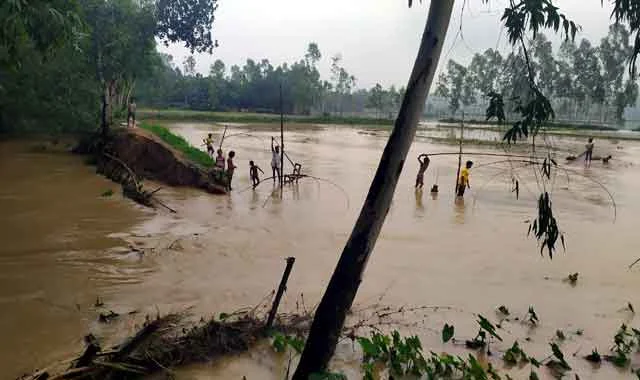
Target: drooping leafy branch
<point>534,15</point>
<point>43,25</point>
<point>628,11</point>
<point>533,106</point>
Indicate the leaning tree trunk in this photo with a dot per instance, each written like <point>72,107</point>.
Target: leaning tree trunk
<point>338,297</point>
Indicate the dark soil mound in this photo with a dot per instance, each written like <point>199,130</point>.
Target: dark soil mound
<point>151,158</point>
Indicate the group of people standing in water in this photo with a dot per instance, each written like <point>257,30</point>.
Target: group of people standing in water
<point>463,179</point>
<point>463,182</point>
<point>225,167</point>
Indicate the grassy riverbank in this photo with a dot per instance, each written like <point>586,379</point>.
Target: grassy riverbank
<point>246,117</point>
<point>177,142</point>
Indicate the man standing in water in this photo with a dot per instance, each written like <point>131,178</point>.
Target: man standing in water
<point>423,159</point>
<point>463,181</point>
<point>131,113</point>
<point>275,160</point>
<point>588,154</point>
<point>231,167</point>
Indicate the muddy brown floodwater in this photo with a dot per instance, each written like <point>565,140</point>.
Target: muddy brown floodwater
<point>64,245</point>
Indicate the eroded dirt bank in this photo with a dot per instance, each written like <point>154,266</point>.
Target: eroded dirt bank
<point>151,158</point>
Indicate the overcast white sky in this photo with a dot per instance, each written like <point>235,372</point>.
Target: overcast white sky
<point>378,39</point>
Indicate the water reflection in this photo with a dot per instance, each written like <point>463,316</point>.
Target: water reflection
<point>296,191</point>
<point>255,200</point>
<point>419,205</point>
<point>458,210</point>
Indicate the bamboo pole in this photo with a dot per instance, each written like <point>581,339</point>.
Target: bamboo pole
<point>223,135</point>
<point>281,141</point>
<point>342,288</point>
<point>459,155</point>
<point>281,289</point>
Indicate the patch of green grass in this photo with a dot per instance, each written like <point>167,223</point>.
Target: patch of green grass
<point>248,117</point>
<point>177,142</point>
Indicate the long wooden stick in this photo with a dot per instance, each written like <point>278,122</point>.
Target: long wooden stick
<point>281,289</point>
<point>347,276</point>
<point>281,140</point>
<point>223,135</point>
<point>460,154</point>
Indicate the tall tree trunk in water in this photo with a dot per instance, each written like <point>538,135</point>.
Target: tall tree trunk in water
<point>338,297</point>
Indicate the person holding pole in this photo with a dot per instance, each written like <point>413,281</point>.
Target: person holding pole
<point>423,159</point>
<point>463,180</point>
<point>275,160</point>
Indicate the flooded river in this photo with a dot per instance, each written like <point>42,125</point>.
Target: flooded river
<point>64,245</point>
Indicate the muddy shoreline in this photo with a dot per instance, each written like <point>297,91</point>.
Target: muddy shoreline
<point>149,158</point>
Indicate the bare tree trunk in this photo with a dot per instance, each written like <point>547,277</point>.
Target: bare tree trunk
<point>104,124</point>
<point>127,98</point>
<point>338,297</point>
<point>110,100</point>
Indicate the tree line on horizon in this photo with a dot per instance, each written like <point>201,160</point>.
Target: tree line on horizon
<point>255,86</point>
<point>584,81</point>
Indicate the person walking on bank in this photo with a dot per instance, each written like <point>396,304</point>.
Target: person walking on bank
<point>131,113</point>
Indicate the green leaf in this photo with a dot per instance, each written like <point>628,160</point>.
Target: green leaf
<point>534,362</point>
<point>369,349</point>
<point>368,370</point>
<point>279,342</point>
<point>533,376</point>
<point>560,356</point>
<point>488,327</point>
<point>447,333</point>
<point>296,343</point>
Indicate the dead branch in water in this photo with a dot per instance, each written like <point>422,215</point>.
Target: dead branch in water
<point>131,186</point>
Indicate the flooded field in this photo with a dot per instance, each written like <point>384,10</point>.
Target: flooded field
<point>65,245</point>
